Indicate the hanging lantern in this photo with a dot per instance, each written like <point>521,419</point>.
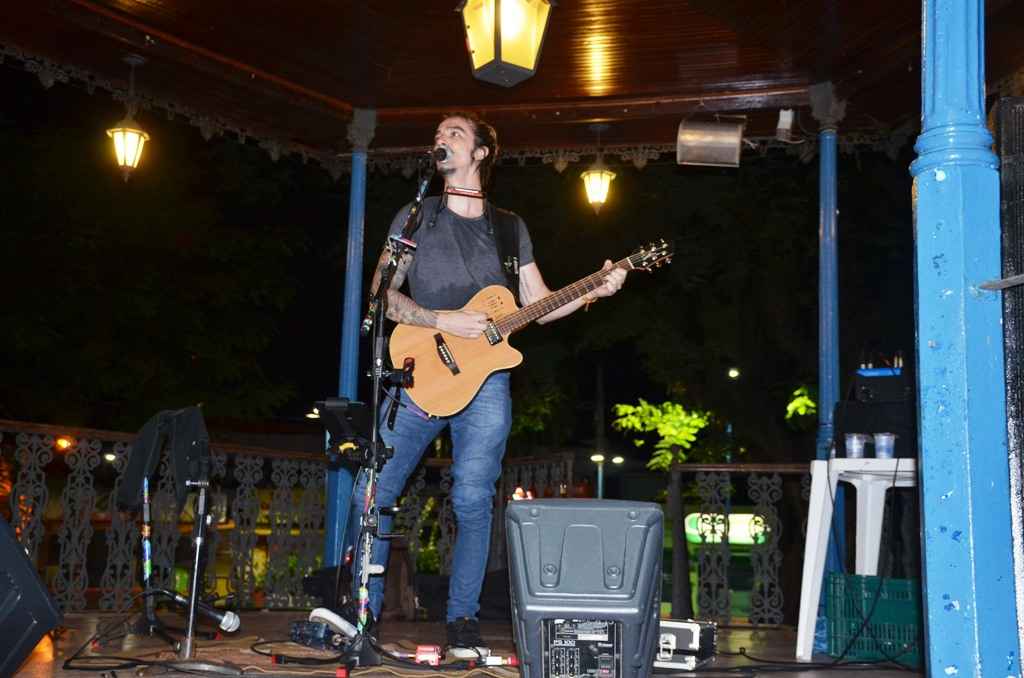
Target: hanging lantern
<point>129,139</point>
<point>597,180</point>
<point>504,37</point>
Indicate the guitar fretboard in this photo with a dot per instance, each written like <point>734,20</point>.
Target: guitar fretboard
<point>569,293</point>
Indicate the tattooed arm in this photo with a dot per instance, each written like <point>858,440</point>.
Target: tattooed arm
<point>402,309</point>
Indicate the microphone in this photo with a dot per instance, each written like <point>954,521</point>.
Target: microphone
<point>226,619</point>
<point>439,154</point>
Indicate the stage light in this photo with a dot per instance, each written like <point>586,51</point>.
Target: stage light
<point>733,373</point>
<point>314,414</point>
<point>64,443</point>
<point>129,138</point>
<point>504,37</point>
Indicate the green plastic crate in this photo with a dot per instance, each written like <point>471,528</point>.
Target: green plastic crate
<point>895,630</point>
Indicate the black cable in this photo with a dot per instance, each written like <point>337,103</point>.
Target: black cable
<point>386,655</point>
<point>441,668</point>
<point>103,634</point>
<point>281,658</point>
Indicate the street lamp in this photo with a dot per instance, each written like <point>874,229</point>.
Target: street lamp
<point>599,460</point>
<point>733,373</point>
<point>129,138</point>
<point>504,37</point>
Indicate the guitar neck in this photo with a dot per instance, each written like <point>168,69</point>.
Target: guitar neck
<point>538,309</point>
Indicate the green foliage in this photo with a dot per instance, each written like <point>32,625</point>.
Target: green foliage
<point>428,560</point>
<point>676,428</point>
<point>534,415</point>
<point>802,404</point>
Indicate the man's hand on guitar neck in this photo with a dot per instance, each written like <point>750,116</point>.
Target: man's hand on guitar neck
<point>613,281</point>
<point>467,324</point>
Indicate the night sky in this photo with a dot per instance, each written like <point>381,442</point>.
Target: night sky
<point>215,275</point>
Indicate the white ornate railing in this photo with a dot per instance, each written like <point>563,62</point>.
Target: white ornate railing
<point>267,504</point>
<point>713,495</point>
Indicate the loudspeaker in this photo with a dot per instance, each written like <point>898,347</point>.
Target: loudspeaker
<point>27,612</point>
<point>586,586</point>
<point>717,144</point>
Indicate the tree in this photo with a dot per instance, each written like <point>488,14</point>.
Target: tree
<point>128,298</point>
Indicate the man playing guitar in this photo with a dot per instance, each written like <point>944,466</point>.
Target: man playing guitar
<point>457,255</point>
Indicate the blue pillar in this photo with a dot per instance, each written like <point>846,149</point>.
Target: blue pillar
<point>969,602</point>
<point>828,110</point>
<point>828,291</point>
<point>339,482</point>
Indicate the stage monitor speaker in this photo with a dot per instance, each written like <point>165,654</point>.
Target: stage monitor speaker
<point>27,612</point>
<point>586,586</point>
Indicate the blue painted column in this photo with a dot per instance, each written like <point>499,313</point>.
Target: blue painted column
<point>828,110</point>
<point>339,482</point>
<point>970,610</point>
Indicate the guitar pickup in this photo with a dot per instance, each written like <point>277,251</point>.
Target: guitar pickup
<point>445,353</point>
<point>492,334</point>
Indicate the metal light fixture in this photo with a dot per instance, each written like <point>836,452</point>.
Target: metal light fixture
<point>129,138</point>
<point>504,37</point>
<point>597,180</point>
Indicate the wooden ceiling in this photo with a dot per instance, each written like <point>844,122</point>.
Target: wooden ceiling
<point>294,71</point>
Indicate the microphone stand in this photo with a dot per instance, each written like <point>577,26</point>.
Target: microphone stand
<point>150,624</point>
<point>362,650</point>
<point>202,521</point>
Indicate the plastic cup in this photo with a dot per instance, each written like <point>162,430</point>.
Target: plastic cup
<point>855,445</point>
<point>885,444</point>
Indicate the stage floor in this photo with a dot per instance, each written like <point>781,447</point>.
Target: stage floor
<point>48,657</point>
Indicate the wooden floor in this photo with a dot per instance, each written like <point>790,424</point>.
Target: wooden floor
<point>50,654</point>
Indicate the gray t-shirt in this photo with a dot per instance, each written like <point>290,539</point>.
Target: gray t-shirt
<point>455,257</point>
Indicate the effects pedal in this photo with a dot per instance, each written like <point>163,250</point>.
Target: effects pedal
<point>685,644</point>
<point>317,635</point>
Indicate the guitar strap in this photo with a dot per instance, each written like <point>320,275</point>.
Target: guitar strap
<point>506,234</point>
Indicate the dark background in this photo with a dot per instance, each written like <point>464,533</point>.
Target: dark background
<point>215,275</point>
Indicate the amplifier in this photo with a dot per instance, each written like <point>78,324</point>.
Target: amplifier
<point>586,586</point>
<point>27,612</point>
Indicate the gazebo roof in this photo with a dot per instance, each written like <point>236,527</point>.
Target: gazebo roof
<point>290,74</point>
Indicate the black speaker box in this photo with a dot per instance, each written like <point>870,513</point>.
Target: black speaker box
<point>27,612</point>
<point>586,586</point>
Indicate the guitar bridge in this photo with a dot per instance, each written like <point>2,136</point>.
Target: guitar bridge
<point>445,353</point>
<point>492,333</point>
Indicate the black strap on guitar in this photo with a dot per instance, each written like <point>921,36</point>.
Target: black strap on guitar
<point>506,233</point>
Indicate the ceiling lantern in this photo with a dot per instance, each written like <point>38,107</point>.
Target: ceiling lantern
<point>129,138</point>
<point>597,180</point>
<point>504,37</point>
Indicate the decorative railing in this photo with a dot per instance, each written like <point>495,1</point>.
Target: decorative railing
<point>267,506</point>
<point>774,516</point>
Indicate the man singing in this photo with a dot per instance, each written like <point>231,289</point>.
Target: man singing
<point>457,256</point>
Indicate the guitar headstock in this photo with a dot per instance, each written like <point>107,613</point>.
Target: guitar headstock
<point>652,256</point>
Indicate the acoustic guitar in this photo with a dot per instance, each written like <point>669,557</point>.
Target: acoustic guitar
<point>449,370</point>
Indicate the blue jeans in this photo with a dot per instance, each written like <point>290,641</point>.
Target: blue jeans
<point>479,433</point>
